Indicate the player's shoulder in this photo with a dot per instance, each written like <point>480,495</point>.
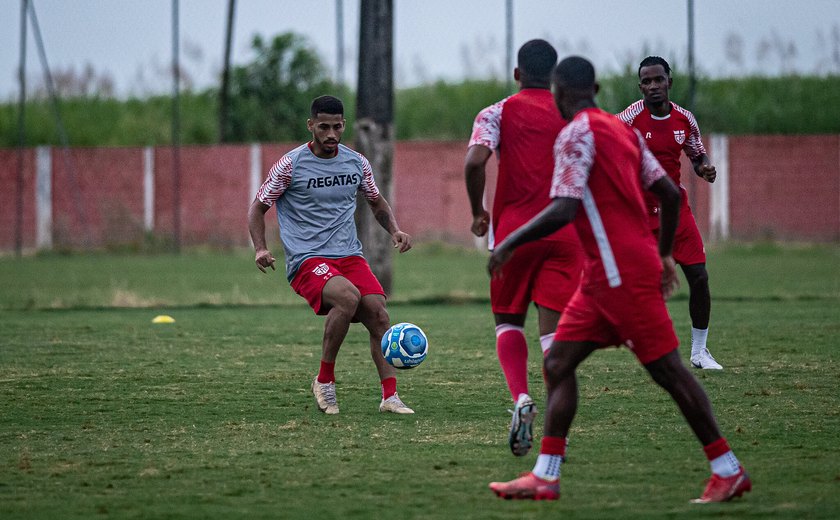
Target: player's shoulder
<point>629,114</point>
<point>351,155</point>
<point>294,154</point>
<point>577,128</point>
<point>683,112</point>
<point>493,111</point>
<point>287,161</point>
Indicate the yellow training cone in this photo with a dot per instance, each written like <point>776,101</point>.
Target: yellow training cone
<point>163,319</point>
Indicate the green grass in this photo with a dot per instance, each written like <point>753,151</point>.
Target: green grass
<point>106,415</point>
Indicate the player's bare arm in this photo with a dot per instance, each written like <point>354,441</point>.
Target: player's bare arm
<point>557,214</point>
<point>704,168</point>
<point>669,200</point>
<point>256,226</point>
<point>475,175</point>
<point>385,216</point>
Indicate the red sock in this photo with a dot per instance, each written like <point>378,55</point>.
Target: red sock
<point>512,350</point>
<point>553,446</point>
<point>389,387</point>
<point>327,372</point>
<point>716,449</point>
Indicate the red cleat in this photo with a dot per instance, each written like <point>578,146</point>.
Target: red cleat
<point>528,486</point>
<point>723,489</point>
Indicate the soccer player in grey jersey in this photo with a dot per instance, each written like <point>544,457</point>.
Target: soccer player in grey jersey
<point>314,190</point>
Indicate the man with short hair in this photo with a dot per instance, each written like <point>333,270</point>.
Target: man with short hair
<point>669,130</point>
<point>603,165</point>
<point>521,129</point>
<point>314,188</point>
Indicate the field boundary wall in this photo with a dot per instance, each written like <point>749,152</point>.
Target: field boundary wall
<point>784,188</point>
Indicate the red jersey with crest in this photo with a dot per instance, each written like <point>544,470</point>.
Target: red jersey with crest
<point>666,137</point>
<point>606,165</point>
<point>521,129</point>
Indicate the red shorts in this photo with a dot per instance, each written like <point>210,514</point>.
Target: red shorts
<point>545,272</point>
<point>314,273</point>
<point>688,244</point>
<point>632,314</point>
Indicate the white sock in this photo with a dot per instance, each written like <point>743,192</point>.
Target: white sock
<point>698,340</point>
<point>548,467</point>
<point>726,465</point>
<point>545,342</point>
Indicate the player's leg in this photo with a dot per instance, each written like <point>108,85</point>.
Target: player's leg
<point>547,322</point>
<point>373,314</point>
<point>339,299</point>
<point>581,319</point>
<point>699,307</point>
<point>543,482</point>
<point>691,255</point>
<point>512,352</point>
<point>669,373</point>
<point>728,476</point>
<point>374,317</point>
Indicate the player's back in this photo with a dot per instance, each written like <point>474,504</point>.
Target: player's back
<point>614,230</point>
<point>529,125</point>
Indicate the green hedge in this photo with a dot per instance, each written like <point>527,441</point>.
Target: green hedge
<point>756,105</point>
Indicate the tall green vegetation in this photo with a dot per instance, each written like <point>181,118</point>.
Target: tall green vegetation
<point>270,99</point>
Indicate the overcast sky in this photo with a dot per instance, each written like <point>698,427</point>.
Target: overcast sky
<point>434,39</point>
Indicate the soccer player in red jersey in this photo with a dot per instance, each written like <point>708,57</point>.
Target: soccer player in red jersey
<point>522,129</point>
<point>604,166</point>
<point>669,130</point>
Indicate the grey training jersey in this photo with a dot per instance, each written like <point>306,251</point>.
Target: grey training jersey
<point>316,200</point>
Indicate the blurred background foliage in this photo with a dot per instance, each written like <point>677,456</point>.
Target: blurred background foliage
<point>270,97</point>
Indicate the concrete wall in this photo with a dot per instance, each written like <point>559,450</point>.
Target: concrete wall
<point>778,187</point>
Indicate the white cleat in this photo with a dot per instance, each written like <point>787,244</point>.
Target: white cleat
<point>394,405</point>
<point>705,361</point>
<point>325,397</point>
<point>521,426</point>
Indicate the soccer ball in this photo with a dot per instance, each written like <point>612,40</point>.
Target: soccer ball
<point>404,345</point>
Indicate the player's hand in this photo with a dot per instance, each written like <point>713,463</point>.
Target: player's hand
<point>708,172</point>
<point>498,258</point>
<point>401,241</point>
<point>265,259</point>
<point>481,224</point>
<point>670,282</point>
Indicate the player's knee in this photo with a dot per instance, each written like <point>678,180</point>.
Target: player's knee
<point>347,300</point>
<point>666,373</point>
<point>697,276</point>
<point>556,368</point>
<point>379,321</point>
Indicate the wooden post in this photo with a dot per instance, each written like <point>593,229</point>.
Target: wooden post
<point>374,126</point>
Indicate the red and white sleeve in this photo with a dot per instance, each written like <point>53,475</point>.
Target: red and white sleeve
<point>486,129</point>
<point>574,155</point>
<point>693,146</point>
<point>368,187</point>
<point>278,181</point>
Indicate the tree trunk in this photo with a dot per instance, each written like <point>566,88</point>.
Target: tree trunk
<point>375,126</point>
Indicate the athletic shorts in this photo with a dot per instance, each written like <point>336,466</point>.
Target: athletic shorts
<point>545,272</point>
<point>632,314</point>
<point>314,273</point>
<point>688,244</point>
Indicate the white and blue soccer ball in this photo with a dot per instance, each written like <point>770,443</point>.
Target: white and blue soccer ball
<point>404,345</point>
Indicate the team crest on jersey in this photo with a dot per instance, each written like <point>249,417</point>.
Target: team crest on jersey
<point>679,136</point>
<point>321,269</point>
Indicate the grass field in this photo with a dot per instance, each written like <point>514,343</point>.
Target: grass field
<point>106,415</point>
